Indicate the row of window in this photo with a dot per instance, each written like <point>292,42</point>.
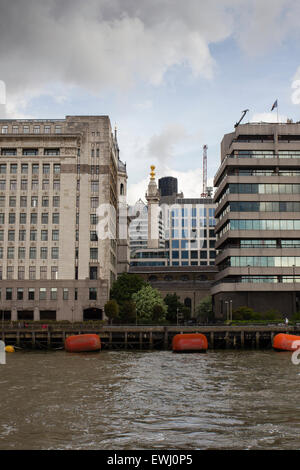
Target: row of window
<point>10,272</point>
<point>190,234</point>
<point>43,293</point>
<point>33,218</point>
<point>193,254</point>
<point>192,222</point>
<point>255,206</point>
<point>193,212</point>
<point>33,235</point>
<point>32,252</point>
<point>270,243</point>
<point>33,129</point>
<point>14,168</point>
<point>34,185</point>
<point>264,188</point>
<point>264,224</point>
<point>12,201</point>
<point>265,154</point>
<point>9,152</point>
<point>193,244</point>
<point>263,261</point>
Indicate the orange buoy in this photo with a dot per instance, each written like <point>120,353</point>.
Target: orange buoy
<point>82,343</point>
<point>284,342</point>
<point>192,342</point>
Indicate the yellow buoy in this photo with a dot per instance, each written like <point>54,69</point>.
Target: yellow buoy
<point>9,349</point>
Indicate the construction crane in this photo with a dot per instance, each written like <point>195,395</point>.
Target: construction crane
<point>204,172</point>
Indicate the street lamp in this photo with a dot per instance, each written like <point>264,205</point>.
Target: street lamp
<point>230,309</point>
<point>227,311</point>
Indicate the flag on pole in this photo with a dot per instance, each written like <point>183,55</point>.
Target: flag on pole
<point>275,105</point>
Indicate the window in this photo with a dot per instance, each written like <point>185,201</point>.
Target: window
<point>32,252</point>
<point>95,186</point>
<point>53,293</point>
<point>54,272</point>
<point>33,235</point>
<point>65,293</point>
<point>45,185</point>
<point>10,272</point>
<point>56,185</point>
<point>47,129</point>
<point>3,169</point>
<point>93,219</point>
<point>8,293</point>
<point>93,253</point>
<point>34,201</point>
<point>57,129</point>
<point>93,272</point>
<point>51,151</point>
<point>33,218</point>
<point>2,185</point>
<point>15,129</point>
<point>13,168</point>
<point>42,293</point>
<point>36,129</point>
<point>10,252</point>
<point>54,253</point>
<point>21,252</point>
<point>11,218</point>
<point>34,185</point>
<point>92,293</point>
<point>26,129</point>
<point>12,201</point>
<point>13,185</point>
<point>11,235</point>
<point>30,289</point>
<point>44,218</point>
<point>24,168</point>
<point>94,202</point>
<point>35,168</point>
<point>45,201</point>
<point>43,272</point>
<point>44,235</point>
<point>55,235</point>
<point>23,201</point>
<point>46,168</point>
<point>55,218</point>
<point>30,152</point>
<point>22,235</point>
<point>24,185</point>
<point>93,236</point>
<point>23,218</point>
<point>56,168</point>
<point>44,252</point>
<point>4,129</point>
<point>55,201</point>
<point>20,292</point>
<point>1,235</point>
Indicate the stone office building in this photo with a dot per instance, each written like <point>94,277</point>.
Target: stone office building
<point>258,219</point>
<point>55,178</point>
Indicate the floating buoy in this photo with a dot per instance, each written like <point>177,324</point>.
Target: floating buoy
<point>192,342</point>
<point>9,349</point>
<point>284,342</point>
<point>83,343</point>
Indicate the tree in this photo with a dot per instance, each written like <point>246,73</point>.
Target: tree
<point>128,311</point>
<point>172,302</point>
<point>145,300</point>
<point>126,285</point>
<point>111,309</point>
<point>204,311</point>
<point>158,313</point>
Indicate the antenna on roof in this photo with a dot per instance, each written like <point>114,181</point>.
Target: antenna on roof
<point>243,115</point>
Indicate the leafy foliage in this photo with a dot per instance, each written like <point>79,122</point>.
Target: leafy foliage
<point>204,311</point>
<point>145,300</point>
<point>111,309</point>
<point>126,285</point>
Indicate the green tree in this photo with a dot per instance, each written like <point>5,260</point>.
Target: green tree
<point>173,303</point>
<point>126,285</point>
<point>158,313</point>
<point>145,300</point>
<point>128,311</point>
<point>111,309</point>
<point>204,311</point>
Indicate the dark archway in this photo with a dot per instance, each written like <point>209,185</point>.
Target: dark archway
<point>25,314</point>
<point>188,303</point>
<point>92,313</point>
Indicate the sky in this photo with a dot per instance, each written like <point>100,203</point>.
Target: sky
<point>171,75</point>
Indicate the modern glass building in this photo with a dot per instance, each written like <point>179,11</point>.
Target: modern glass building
<point>258,219</point>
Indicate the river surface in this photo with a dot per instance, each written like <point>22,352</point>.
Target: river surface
<point>150,400</point>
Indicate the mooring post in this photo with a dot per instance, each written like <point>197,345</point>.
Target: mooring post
<point>151,340</point>
<point>126,339</point>
<point>49,339</point>
<point>234,341</point>
<point>110,340</point>
<point>227,339</point>
<point>33,339</point>
<point>212,339</point>
<point>166,344</point>
<point>257,339</point>
<point>141,340</point>
<point>271,338</point>
<point>242,339</point>
<point>18,338</point>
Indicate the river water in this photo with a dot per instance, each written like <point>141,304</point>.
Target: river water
<point>149,400</point>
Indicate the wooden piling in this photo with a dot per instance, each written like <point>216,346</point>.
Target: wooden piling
<point>242,339</point>
<point>212,339</point>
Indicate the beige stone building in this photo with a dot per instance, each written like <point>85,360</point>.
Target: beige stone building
<point>62,194</point>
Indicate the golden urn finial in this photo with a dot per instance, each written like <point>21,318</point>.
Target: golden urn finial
<point>152,173</point>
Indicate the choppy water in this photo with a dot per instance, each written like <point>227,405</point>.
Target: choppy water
<point>150,400</point>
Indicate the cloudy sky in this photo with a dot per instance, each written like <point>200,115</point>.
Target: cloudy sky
<point>172,75</point>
